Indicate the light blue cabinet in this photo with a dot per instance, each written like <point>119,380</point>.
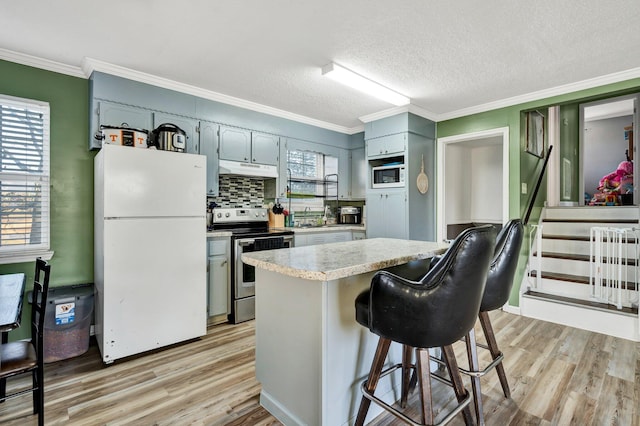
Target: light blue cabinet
<point>344,174</point>
<point>248,147</point>
<point>321,237</point>
<point>188,125</point>
<point>387,214</point>
<point>387,146</point>
<point>218,251</point>
<point>358,173</point>
<point>235,144</point>
<point>209,147</point>
<point>265,148</point>
<point>115,114</point>
<point>358,235</point>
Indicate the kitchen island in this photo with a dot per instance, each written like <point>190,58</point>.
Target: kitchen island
<point>311,354</point>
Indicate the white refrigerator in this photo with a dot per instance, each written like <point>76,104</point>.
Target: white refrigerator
<point>150,249</point>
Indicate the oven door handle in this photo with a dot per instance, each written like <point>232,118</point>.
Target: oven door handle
<point>243,243</point>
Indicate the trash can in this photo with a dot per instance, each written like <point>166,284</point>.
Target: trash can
<point>67,321</point>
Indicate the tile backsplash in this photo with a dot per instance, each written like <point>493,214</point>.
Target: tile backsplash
<point>239,192</point>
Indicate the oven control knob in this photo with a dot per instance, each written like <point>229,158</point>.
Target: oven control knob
<point>227,215</point>
<point>257,214</point>
<point>219,215</point>
<point>263,214</point>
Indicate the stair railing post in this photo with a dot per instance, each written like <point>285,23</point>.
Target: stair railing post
<point>621,264</point>
<point>635,269</point>
<point>592,275</point>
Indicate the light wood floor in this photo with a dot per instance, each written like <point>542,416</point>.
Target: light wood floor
<point>558,376</point>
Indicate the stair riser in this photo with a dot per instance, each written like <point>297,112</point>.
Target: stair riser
<point>626,327</point>
<point>581,247</point>
<point>563,288</point>
<point>575,267</point>
<point>577,291</point>
<point>630,213</point>
<point>579,229</point>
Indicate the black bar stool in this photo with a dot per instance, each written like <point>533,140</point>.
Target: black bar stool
<point>496,293</point>
<point>434,312</point>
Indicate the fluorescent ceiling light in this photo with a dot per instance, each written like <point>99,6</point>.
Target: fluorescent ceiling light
<point>356,81</point>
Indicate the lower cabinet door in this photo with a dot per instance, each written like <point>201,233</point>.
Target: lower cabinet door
<point>218,285</point>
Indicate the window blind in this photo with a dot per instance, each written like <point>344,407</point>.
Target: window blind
<point>310,166</point>
<point>24,176</point>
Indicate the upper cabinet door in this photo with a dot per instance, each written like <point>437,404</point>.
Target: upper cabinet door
<point>188,125</point>
<point>386,146</point>
<point>208,147</point>
<point>358,173</point>
<point>114,114</point>
<point>264,148</point>
<point>235,144</point>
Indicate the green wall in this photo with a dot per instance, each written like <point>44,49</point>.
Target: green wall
<point>71,174</point>
<point>524,167</point>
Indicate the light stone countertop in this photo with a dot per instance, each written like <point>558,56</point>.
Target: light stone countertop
<point>325,228</point>
<point>213,234</point>
<point>301,230</point>
<point>325,262</point>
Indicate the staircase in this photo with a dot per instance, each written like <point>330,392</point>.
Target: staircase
<point>557,286</point>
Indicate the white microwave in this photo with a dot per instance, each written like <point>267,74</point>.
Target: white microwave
<point>387,176</point>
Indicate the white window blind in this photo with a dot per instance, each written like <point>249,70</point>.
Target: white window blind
<point>24,179</point>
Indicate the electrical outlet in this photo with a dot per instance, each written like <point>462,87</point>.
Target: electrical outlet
<point>524,188</point>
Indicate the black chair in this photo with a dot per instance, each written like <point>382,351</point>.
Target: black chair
<point>27,356</point>
<point>434,312</point>
<point>497,290</point>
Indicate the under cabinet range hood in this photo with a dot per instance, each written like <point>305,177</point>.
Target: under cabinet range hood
<point>226,167</point>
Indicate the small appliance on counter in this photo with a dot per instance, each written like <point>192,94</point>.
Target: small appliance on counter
<point>122,135</point>
<point>349,215</point>
<point>169,137</point>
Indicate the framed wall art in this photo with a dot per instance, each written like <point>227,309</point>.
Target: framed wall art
<point>535,133</point>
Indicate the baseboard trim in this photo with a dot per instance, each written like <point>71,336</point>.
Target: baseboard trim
<point>511,309</point>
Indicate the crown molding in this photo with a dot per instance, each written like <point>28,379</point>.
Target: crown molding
<point>90,65</point>
<point>543,94</point>
<point>356,129</point>
<point>384,114</point>
<point>45,64</point>
<point>414,109</point>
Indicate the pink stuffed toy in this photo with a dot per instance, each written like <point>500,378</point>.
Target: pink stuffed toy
<point>622,174</point>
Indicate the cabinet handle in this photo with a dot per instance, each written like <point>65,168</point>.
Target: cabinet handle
<point>224,262</point>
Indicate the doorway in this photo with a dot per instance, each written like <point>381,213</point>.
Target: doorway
<point>473,180</point>
<point>607,151</point>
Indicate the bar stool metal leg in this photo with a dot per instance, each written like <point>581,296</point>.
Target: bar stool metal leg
<point>472,354</point>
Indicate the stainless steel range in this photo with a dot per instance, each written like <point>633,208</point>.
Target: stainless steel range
<point>249,232</point>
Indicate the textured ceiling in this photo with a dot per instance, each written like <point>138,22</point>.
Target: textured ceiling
<point>447,56</point>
